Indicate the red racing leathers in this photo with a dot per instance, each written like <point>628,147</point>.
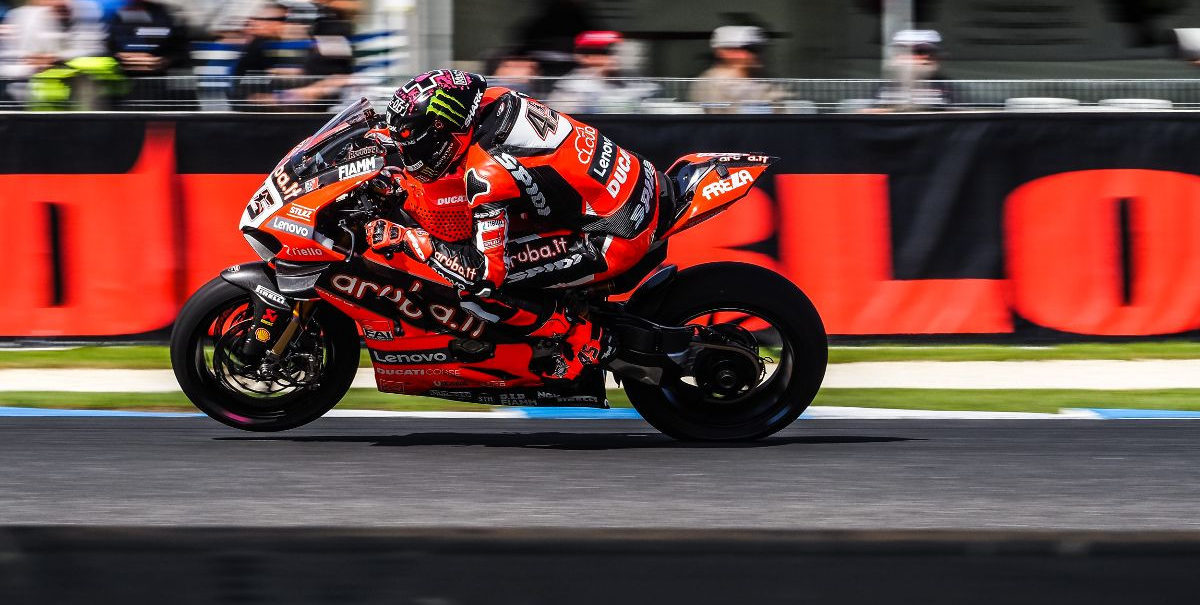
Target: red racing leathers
<point>552,202</point>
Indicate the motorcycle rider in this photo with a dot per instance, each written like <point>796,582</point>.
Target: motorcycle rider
<point>583,208</point>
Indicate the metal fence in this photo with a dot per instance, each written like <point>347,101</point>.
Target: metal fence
<point>616,95</point>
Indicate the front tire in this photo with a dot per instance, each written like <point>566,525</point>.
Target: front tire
<point>196,348</point>
<point>749,296</point>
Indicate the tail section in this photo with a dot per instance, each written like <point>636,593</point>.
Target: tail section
<point>708,183</point>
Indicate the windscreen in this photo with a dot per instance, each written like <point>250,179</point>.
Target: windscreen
<point>324,147</point>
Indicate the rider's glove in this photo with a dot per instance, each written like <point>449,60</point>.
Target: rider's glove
<point>384,235</point>
<point>389,182</point>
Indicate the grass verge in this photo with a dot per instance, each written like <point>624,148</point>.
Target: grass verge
<point>1026,400</point>
<point>157,357</point>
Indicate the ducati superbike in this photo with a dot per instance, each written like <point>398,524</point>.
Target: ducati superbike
<point>719,351</point>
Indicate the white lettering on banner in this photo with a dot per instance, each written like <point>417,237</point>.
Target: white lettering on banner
<point>522,176</point>
<point>735,181</point>
<point>620,173</point>
<point>270,295</point>
<point>356,168</point>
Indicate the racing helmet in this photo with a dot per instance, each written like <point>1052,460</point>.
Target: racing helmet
<point>432,118</point>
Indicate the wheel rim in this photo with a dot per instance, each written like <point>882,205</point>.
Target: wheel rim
<point>692,396</point>
<point>245,396</point>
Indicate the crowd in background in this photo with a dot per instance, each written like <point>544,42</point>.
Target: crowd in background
<point>297,54</point>
<point>101,54</point>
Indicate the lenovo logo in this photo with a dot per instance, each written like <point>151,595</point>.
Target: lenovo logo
<point>411,357</point>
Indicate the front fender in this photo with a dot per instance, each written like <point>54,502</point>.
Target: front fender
<point>258,279</point>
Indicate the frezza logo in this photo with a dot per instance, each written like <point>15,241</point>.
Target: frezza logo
<point>736,180</point>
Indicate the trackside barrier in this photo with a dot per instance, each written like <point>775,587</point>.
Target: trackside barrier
<point>1027,225</point>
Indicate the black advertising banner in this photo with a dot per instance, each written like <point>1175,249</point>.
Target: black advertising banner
<point>1019,225</point>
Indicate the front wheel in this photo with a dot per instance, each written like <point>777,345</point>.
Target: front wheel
<point>721,397</point>
<point>314,374</point>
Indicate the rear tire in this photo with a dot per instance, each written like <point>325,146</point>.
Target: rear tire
<point>211,395</point>
<point>780,398</point>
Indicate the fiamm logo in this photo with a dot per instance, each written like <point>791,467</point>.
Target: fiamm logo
<point>447,107</point>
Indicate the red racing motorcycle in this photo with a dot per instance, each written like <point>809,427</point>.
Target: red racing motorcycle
<point>720,351</point>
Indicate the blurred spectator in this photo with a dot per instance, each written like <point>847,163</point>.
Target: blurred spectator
<point>915,79</point>
<point>515,70</point>
<point>728,86</point>
<point>589,87</point>
<point>288,42</point>
<point>58,45</point>
<point>44,32</point>
<point>149,42</point>
<point>261,55</point>
<point>549,34</point>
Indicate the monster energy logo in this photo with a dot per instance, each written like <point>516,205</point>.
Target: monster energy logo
<point>446,106</point>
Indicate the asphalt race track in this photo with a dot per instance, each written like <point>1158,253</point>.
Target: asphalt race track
<point>351,472</point>
<point>514,511</point>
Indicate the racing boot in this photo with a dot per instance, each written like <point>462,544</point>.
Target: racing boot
<point>567,346</point>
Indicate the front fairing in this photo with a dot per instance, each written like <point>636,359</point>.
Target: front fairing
<point>322,169</point>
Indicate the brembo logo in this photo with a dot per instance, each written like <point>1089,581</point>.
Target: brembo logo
<point>411,357</point>
<point>736,180</point>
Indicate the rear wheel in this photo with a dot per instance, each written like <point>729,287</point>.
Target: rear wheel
<point>314,374</point>
<point>725,393</point>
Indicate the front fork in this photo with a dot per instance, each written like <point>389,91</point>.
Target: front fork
<point>274,329</point>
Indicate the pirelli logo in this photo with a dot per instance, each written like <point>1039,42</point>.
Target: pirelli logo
<point>448,108</point>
